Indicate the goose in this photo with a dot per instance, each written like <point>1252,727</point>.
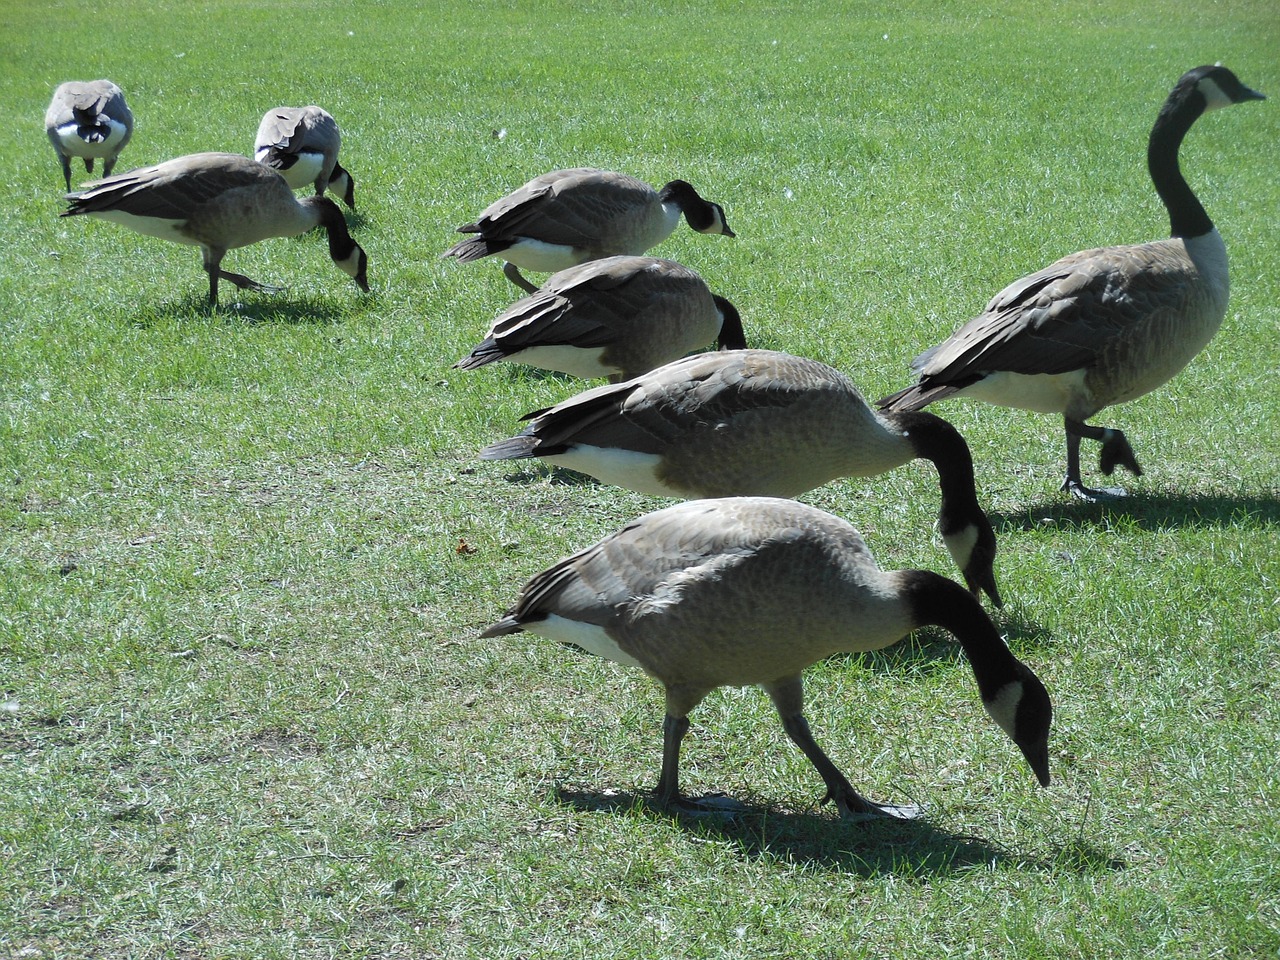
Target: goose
<point>617,317</point>
<point>1103,326</point>
<point>218,201</point>
<point>755,423</point>
<point>567,217</point>
<point>301,144</point>
<point>752,590</point>
<point>88,120</point>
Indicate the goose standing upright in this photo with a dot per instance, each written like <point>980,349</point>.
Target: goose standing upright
<point>88,120</point>
<point>301,144</point>
<point>217,202</point>
<point>755,423</point>
<point>752,591</point>
<point>616,318</point>
<point>1102,326</point>
<point>567,217</point>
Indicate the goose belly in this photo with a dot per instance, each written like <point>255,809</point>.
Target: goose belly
<point>583,362</point>
<point>1038,392</point>
<point>542,257</point>
<point>621,468</point>
<point>305,171</point>
<point>588,636</point>
<point>173,230</point>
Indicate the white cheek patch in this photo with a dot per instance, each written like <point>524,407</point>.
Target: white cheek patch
<point>1213,95</point>
<point>588,636</point>
<point>1004,708</point>
<point>351,265</point>
<point>960,545</point>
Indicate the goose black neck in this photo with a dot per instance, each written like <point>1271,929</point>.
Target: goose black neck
<point>732,336</point>
<point>935,600</point>
<point>933,439</point>
<point>1187,217</point>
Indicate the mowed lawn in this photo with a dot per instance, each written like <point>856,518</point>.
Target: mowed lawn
<point>245,556</point>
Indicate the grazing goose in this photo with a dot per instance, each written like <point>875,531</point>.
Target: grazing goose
<point>1104,326</point>
<point>88,120</point>
<point>752,590</point>
<point>301,144</point>
<point>567,217</point>
<point>755,423</point>
<point>218,201</point>
<point>617,317</point>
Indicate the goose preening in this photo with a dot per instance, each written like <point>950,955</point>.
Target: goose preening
<point>218,201</point>
<point>755,423</point>
<point>753,590</point>
<point>1103,326</point>
<point>301,144</point>
<point>567,217</point>
<point>88,120</point>
<point>617,318</point>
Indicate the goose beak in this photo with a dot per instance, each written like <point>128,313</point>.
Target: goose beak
<point>1037,755</point>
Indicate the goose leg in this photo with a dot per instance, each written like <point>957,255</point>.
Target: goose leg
<point>852,805</point>
<point>66,169</point>
<point>788,698</point>
<point>515,276</point>
<point>673,731</point>
<point>1115,452</point>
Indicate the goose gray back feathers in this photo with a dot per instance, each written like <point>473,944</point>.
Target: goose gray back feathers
<point>88,120</point>
<point>617,317</point>
<point>752,591</point>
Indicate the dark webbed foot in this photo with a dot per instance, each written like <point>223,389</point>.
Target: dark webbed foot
<point>1092,494</point>
<point>854,806</point>
<point>1117,452</point>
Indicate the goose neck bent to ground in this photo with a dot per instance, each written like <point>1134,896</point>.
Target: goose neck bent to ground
<point>567,217</point>
<point>617,317</point>
<point>88,120</point>
<point>302,144</point>
<point>218,201</point>
<point>1103,326</point>
<point>753,590</point>
<point>755,423</point>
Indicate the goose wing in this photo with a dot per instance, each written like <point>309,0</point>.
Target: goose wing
<point>565,207</point>
<point>1064,317</point>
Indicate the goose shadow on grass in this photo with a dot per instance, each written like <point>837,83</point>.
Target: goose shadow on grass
<point>254,310</point>
<point>1148,511</point>
<point>909,849</point>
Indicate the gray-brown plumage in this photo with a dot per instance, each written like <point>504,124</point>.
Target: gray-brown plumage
<point>218,201</point>
<point>752,591</point>
<point>301,144</point>
<point>88,120</point>
<point>1103,326</point>
<point>755,423</point>
<point>567,217</point>
<point>617,318</point>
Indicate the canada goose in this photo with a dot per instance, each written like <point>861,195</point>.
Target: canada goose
<point>752,590</point>
<point>218,201</point>
<point>755,423</point>
<point>301,144</point>
<point>617,317</point>
<point>88,120</point>
<point>1104,326</point>
<point>567,217</point>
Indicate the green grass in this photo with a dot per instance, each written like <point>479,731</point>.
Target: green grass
<point>245,557</point>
